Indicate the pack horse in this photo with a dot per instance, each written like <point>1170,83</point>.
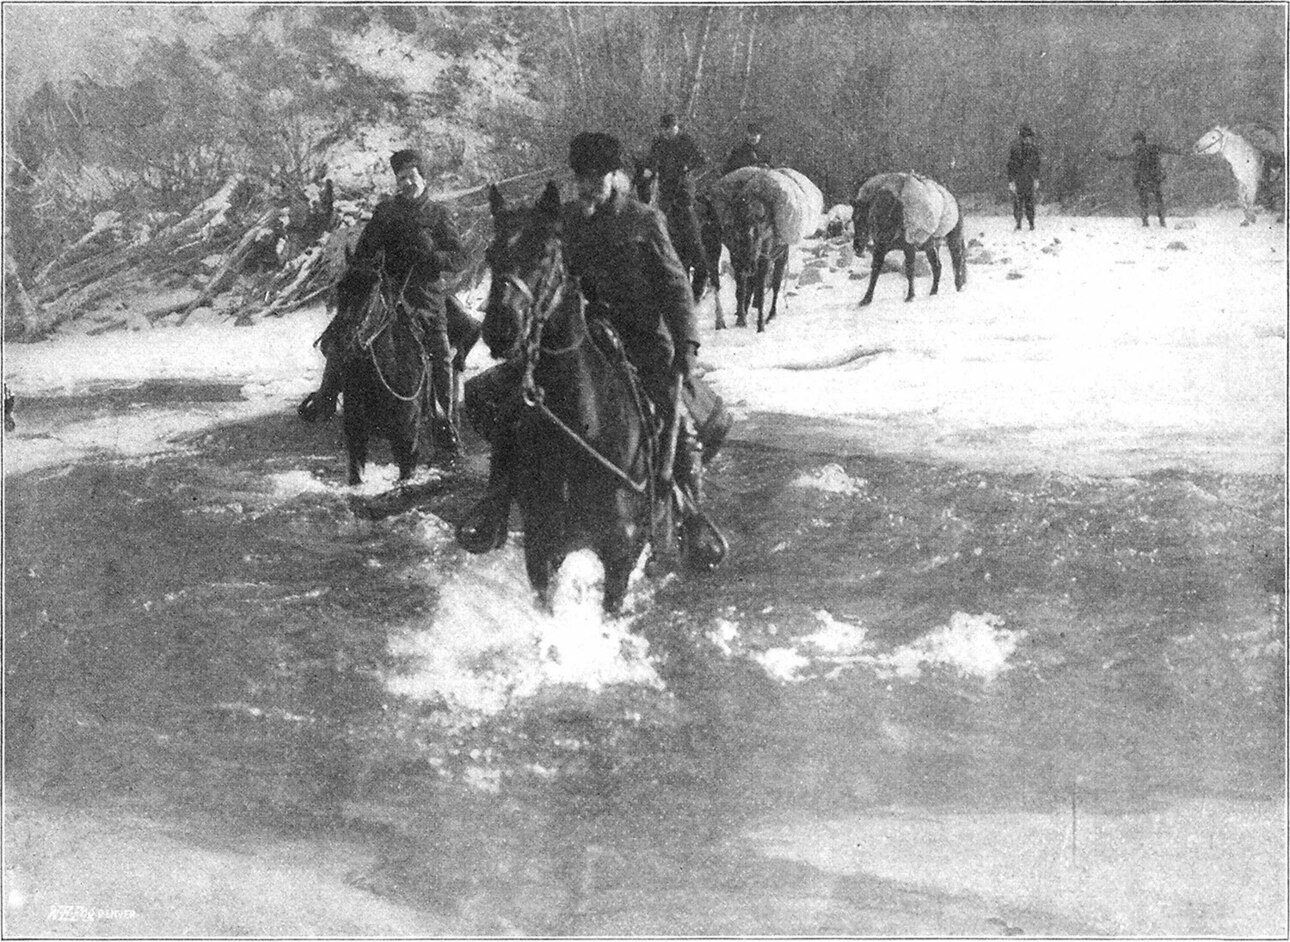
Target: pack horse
<point>909,212</point>
<point>1257,160</point>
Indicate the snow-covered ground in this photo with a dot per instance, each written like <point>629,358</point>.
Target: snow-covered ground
<point>1090,346</point>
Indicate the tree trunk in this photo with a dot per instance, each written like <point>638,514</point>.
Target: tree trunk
<point>696,69</point>
<point>575,56</point>
<point>748,57</point>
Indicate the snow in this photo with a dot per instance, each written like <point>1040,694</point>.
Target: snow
<point>1110,355</point>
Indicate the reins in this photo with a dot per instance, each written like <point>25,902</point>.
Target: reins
<point>371,345</point>
<point>551,293</point>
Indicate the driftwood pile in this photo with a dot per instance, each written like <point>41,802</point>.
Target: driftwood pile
<point>241,253</point>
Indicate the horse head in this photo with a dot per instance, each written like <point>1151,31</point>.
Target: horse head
<point>751,230</point>
<point>526,267</point>
<point>860,226</point>
<point>875,214</point>
<point>1211,142</point>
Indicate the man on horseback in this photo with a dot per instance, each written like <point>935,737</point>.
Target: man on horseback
<point>748,153</point>
<point>619,250</point>
<point>419,243</point>
<point>672,158</point>
<point>1023,175</point>
<point>1147,173</point>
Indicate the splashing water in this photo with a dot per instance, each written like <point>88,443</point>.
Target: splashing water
<point>831,479</point>
<point>973,646</point>
<point>491,645</point>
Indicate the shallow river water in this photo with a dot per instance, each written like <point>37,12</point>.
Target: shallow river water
<point>918,699</point>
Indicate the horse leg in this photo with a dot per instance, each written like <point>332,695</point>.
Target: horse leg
<point>403,441</point>
<point>355,441</point>
<point>759,292</point>
<point>617,562</point>
<point>957,255</point>
<point>934,259</point>
<point>741,298</point>
<point>909,272</point>
<point>875,269</point>
<point>541,563</point>
<point>776,281</point>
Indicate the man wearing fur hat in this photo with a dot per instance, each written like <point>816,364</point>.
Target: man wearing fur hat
<point>419,243</point>
<point>619,250</point>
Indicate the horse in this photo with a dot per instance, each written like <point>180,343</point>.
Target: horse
<point>763,211</point>
<point>585,436</point>
<point>385,370</point>
<point>1259,170</point>
<point>703,259</point>
<point>908,212</point>
<point>755,254</point>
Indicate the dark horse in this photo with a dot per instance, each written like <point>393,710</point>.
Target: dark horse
<point>702,261</point>
<point>584,438</point>
<point>881,208</point>
<point>385,372</point>
<point>755,254</point>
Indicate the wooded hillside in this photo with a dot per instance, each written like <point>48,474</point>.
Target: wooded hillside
<point>123,122</point>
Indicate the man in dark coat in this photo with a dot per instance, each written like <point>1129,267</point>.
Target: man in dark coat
<point>419,243</point>
<point>672,159</point>
<point>619,250</point>
<point>748,153</point>
<point>1023,175</point>
<point>1147,173</point>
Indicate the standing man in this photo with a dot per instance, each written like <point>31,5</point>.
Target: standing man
<point>748,153</point>
<point>618,249</point>
<point>1023,175</point>
<point>419,244</point>
<point>672,159</point>
<point>1147,173</point>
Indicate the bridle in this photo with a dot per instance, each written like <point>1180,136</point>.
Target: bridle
<point>539,303</point>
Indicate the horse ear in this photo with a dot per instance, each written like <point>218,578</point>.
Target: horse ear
<point>496,202</point>
<point>549,202</point>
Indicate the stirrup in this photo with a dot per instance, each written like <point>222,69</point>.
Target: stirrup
<point>485,527</point>
<point>315,406</point>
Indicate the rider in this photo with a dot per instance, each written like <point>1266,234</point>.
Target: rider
<point>748,152</point>
<point>672,158</point>
<point>619,250</point>
<point>419,243</point>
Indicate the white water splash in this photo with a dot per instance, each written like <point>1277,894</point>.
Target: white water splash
<point>831,479</point>
<point>973,646</point>
<point>490,644</point>
<point>377,479</point>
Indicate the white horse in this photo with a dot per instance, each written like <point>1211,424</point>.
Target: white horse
<point>1245,158</point>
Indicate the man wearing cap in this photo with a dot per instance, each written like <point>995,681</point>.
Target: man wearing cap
<point>1023,175</point>
<point>747,153</point>
<point>672,158</point>
<point>618,249</point>
<point>419,243</point>
<point>1147,173</point>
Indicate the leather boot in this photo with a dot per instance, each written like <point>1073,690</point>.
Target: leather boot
<point>484,527</point>
<point>702,545</point>
<point>321,404</point>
